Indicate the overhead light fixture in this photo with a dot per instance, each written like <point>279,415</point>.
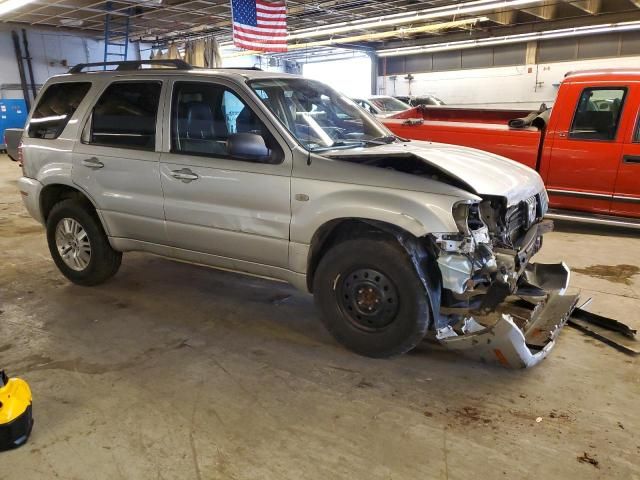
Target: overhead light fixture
<point>71,22</point>
<point>519,38</point>
<point>10,5</point>
<point>477,6</point>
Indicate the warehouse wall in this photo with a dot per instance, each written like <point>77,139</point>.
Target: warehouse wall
<point>500,77</point>
<point>52,53</point>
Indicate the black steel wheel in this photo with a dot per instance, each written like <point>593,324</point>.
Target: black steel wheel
<point>368,298</point>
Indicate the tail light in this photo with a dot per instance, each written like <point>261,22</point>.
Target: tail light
<point>20,156</point>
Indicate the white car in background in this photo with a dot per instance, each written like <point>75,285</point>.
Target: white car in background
<point>382,105</point>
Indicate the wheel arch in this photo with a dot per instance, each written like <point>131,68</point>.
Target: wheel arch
<point>334,231</point>
<point>53,193</point>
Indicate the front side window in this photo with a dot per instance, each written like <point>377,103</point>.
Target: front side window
<point>125,115</point>
<point>636,137</point>
<point>317,116</point>
<point>55,108</point>
<point>598,114</point>
<point>204,115</point>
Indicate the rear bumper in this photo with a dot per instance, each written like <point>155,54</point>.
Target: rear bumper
<point>30,192</point>
<point>510,345</point>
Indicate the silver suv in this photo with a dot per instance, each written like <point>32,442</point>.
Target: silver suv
<point>281,176</point>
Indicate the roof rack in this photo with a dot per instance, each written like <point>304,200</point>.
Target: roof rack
<point>258,69</point>
<point>129,65</point>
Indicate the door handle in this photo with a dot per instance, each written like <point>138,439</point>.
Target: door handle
<point>562,134</point>
<point>92,162</point>
<point>631,159</point>
<point>185,175</point>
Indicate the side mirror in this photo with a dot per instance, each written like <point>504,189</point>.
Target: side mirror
<point>248,146</point>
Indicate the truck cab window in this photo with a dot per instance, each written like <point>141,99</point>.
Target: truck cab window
<point>598,114</point>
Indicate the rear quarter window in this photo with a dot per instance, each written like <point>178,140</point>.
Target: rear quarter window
<point>56,106</point>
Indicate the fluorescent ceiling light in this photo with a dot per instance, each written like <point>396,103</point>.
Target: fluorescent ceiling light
<point>465,8</point>
<point>475,6</point>
<point>9,5</point>
<point>429,27</point>
<point>523,37</point>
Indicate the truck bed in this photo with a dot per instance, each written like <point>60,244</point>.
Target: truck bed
<point>460,114</point>
<point>491,133</point>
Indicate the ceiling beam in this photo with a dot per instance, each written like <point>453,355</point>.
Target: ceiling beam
<point>556,24</point>
<point>589,6</point>
<point>546,11</point>
<point>503,16</point>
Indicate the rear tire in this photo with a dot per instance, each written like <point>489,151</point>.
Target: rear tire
<point>371,297</point>
<point>78,244</point>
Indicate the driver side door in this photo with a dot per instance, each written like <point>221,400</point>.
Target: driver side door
<point>234,209</point>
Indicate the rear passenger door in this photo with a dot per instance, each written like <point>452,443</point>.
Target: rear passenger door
<point>626,198</point>
<point>117,159</point>
<point>214,203</point>
<point>587,143</point>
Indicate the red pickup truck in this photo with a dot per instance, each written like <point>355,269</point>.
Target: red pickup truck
<point>586,148</point>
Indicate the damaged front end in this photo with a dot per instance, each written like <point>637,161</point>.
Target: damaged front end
<point>486,264</point>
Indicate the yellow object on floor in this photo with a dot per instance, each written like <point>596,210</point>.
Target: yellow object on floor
<point>16,418</point>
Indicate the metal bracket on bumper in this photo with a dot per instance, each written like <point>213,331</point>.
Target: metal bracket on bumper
<point>507,344</point>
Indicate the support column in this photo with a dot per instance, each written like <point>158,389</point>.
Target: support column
<point>374,72</point>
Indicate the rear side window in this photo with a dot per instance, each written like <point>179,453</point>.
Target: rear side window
<point>55,108</point>
<point>636,137</point>
<point>598,114</point>
<point>125,115</point>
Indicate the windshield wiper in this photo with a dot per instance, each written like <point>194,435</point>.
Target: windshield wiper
<point>383,140</point>
<point>340,144</point>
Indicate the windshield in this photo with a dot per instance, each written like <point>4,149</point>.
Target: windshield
<point>319,117</point>
<point>428,100</point>
<point>389,104</point>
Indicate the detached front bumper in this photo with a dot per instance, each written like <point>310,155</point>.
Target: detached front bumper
<point>509,344</point>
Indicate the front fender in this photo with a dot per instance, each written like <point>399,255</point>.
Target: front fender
<point>316,202</point>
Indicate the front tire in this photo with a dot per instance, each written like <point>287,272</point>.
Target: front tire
<point>371,298</point>
<point>78,244</point>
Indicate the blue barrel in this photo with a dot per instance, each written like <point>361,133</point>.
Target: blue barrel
<point>13,114</point>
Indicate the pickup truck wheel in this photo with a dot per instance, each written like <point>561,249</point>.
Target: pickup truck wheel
<point>78,244</point>
<point>371,298</point>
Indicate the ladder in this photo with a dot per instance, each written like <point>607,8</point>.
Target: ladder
<point>116,33</point>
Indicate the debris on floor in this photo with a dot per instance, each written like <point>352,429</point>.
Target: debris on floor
<point>609,331</point>
<point>612,332</point>
<point>586,458</point>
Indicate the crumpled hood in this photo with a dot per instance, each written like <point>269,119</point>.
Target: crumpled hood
<point>486,173</point>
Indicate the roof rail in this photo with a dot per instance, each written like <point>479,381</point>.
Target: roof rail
<point>133,65</point>
<point>258,69</point>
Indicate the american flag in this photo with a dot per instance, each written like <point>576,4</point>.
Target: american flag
<point>260,25</point>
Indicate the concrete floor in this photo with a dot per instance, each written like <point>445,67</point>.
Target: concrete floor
<point>180,372</point>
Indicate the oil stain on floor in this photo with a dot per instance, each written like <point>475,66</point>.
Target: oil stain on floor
<point>614,273</point>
